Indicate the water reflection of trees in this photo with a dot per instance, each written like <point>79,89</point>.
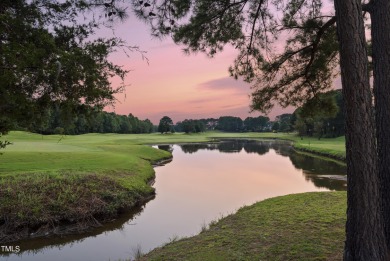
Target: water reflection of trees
<point>229,146</point>
<point>283,149</point>
<point>315,165</point>
<point>316,170</point>
<point>326,182</point>
<point>258,147</point>
<point>236,146</point>
<point>165,147</point>
<point>192,148</point>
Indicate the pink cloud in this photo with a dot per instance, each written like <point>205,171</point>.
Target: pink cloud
<point>226,83</point>
<point>174,84</point>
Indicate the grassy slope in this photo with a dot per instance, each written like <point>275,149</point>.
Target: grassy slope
<point>53,178</point>
<point>307,226</point>
<point>327,147</point>
<point>45,180</point>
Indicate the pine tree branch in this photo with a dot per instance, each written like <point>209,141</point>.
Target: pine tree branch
<point>316,42</point>
<point>254,23</point>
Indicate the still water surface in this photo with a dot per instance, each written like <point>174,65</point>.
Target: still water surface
<point>202,183</point>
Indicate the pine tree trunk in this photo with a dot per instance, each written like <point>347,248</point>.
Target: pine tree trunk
<point>380,32</point>
<point>365,239</point>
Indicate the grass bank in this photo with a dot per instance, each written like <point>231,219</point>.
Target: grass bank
<point>51,181</point>
<point>331,148</point>
<point>309,226</point>
<point>47,181</point>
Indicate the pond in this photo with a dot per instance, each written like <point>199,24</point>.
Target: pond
<point>202,183</point>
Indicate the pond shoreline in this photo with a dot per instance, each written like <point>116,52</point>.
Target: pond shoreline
<point>327,156</point>
<point>85,224</point>
<point>65,228</point>
<point>291,227</point>
<point>79,225</point>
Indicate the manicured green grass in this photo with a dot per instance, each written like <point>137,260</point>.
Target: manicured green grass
<point>307,226</point>
<point>101,152</point>
<point>53,179</point>
<point>328,147</point>
<point>42,176</point>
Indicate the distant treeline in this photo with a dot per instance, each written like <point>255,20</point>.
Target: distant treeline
<point>224,123</point>
<point>322,116</point>
<point>58,120</point>
<point>191,126</point>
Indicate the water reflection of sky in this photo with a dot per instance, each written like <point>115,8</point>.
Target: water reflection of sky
<point>202,183</point>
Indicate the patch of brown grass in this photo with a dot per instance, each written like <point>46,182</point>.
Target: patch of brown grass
<point>40,202</point>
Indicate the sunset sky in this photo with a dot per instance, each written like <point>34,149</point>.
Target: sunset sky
<point>175,84</point>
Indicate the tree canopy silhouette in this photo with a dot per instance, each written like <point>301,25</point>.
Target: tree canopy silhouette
<point>48,56</point>
<point>165,125</point>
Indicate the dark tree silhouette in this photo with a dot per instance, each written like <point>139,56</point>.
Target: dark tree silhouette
<point>165,125</point>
